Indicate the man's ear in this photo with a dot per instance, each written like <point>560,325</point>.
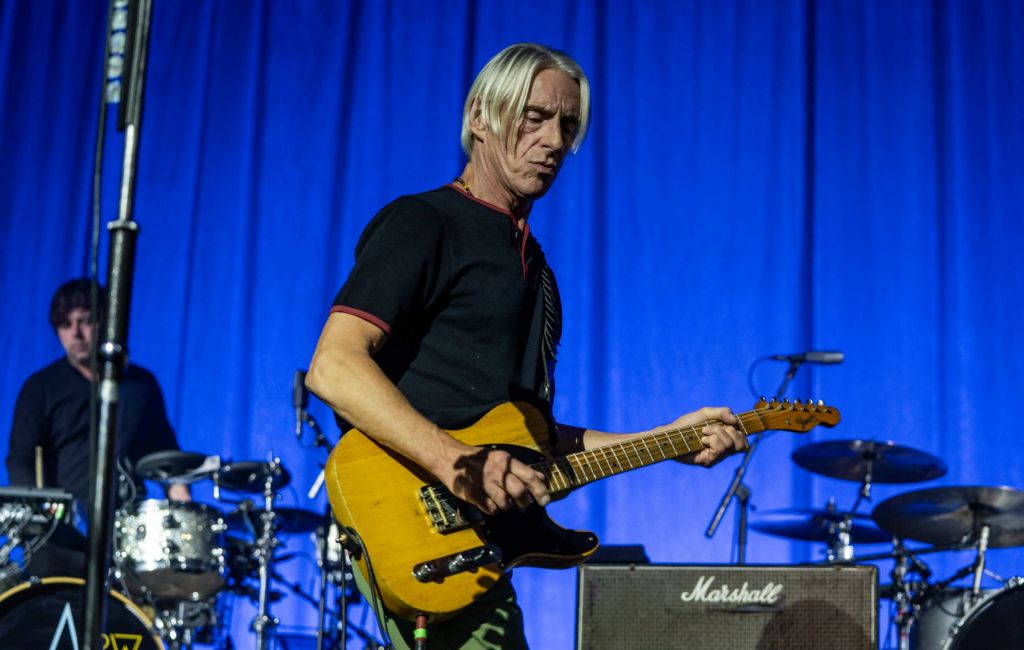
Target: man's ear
<point>476,120</point>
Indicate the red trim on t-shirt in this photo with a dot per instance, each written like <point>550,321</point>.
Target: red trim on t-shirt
<point>480,201</point>
<point>366,316</point>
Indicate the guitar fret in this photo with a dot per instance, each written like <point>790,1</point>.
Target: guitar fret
<point>739,420</point>
<point>602,461</point>
<point>580,459</point>
<point>675,452</point>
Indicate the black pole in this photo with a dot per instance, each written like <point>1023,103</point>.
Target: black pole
<point>113,349</point>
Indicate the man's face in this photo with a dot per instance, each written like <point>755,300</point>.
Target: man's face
<point>76,335</point>
<point>542,138</point>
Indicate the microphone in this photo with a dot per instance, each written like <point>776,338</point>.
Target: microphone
<point>814,356</point>
<point>300,400</point>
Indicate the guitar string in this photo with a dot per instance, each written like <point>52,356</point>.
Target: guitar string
<point>628,450</point>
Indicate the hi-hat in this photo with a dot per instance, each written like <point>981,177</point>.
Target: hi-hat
<point>817,525</point>
<point>251,476</point>
<point>955,515</point>
<point>176,466</point>
<point>851,460</point>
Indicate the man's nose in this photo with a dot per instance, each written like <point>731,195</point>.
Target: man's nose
<point>553,135</point>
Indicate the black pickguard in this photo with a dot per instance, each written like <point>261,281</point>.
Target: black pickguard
<point>530,537</point>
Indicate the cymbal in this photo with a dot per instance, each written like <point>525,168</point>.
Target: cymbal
<point>817,525</point>
<point>174,465</point>
<point>288,521</point>
<point>251,476</point>
<point>849,460</point>
<point>954,515</point>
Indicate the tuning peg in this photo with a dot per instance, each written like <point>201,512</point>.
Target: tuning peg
<point>821,402</point>
<point>796,401</point>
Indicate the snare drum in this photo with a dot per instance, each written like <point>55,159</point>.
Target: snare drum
<point>170,549</point>
<point>45,614</point>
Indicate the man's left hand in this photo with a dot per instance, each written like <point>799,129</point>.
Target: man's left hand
<point>718,435</point>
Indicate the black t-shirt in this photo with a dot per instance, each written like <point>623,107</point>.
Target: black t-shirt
<point>52,412</point>
<point>458,290</point>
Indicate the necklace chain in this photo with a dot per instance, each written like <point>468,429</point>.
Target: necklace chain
<point>463,184</point>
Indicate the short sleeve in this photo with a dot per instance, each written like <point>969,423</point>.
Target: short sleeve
<point>401,267</point>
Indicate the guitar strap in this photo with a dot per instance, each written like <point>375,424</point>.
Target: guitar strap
<point>552,330</point>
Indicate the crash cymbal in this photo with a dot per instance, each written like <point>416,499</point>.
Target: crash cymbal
<point>954,515</point>
<point>251,476</point>
<point>817,525</point>
<point>176,466</point>
<point>850,459</point>
<point>288,521</point>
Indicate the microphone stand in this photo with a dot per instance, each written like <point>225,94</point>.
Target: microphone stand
<point>305,417</point>
<point>739,489</point>
<point>112,351</point>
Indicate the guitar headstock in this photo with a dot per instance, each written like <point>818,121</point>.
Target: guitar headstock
<point>796,416</point>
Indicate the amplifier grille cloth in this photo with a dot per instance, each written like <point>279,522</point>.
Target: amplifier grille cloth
<point>640,607</point>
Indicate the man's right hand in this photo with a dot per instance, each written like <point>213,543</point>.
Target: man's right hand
<point>492,480</point>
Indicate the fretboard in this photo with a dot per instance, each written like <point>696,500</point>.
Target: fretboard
<point>575,470</point>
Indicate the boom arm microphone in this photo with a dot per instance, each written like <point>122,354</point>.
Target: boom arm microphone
<point>300,400</point>
<point>814,356</point>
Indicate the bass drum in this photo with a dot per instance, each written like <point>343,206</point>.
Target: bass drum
<point>996,622</point>
<point>939,616</point>
<point>47,614</point>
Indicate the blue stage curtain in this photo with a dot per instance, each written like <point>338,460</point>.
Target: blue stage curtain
<point>759,177</point>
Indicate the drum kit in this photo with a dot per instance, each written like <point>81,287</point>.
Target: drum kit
<point>928,614</point>
<point>179,566</point>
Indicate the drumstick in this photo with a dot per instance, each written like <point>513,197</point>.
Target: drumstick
<point>39,466</point>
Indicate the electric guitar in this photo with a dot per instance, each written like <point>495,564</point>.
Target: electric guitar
<point>431,553</point>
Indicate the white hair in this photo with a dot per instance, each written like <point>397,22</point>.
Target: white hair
<point>503,86</point>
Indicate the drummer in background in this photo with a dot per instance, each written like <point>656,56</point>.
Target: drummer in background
<point>49,441</point>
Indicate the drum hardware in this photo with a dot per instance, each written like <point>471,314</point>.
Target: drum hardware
<point>289,521</point>
<point>956,515</point>
<point>173,466</point>
<point>839,530</point>
<point>243,477</point>
<point>869,461</point>
<point>252,477</point>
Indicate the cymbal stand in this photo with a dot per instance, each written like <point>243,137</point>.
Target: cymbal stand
<point>839,547</point>
<point>263,623</point>
<point>979,562</point>
<point>908,604</point>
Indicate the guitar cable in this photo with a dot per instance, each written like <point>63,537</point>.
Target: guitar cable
<point>378,602</point>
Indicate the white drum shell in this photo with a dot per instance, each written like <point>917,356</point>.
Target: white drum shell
<point>170,549</point>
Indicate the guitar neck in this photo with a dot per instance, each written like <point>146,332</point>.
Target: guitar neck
<point>576,470</point>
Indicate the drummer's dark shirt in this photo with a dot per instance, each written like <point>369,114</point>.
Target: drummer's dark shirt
<point>52,412</point>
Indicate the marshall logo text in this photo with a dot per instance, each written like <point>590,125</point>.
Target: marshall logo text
<point>703,592</point>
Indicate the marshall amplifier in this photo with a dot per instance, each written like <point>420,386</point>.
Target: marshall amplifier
<point>726,607</point>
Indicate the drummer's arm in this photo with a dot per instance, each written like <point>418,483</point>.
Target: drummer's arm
<point>178,492</point>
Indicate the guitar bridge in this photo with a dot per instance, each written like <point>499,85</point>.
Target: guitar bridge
<point>445,511</point>
<point>449,565</point>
